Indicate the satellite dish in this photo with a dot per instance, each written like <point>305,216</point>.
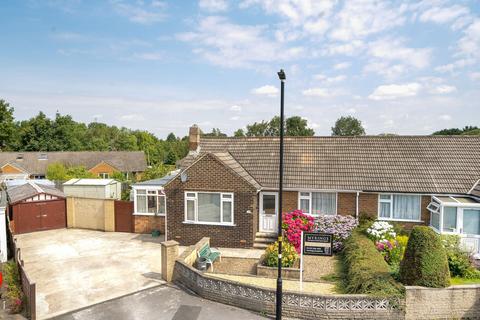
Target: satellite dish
<point>183,177</point>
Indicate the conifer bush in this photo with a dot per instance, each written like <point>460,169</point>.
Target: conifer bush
<point>425,262</point>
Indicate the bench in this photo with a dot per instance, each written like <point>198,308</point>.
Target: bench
<point>211,255</point>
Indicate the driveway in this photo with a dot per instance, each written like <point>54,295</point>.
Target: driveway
<point>75,268</point>
<point>161,303</point>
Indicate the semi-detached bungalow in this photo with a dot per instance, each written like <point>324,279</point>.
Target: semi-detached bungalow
<point>227,188</point>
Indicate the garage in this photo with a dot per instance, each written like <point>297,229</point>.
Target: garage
<point>34,207</point>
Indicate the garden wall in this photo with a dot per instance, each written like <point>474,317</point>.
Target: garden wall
<point>295,304</point>
<point>456,302</point>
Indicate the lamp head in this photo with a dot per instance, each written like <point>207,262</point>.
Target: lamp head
<point>281,75</point>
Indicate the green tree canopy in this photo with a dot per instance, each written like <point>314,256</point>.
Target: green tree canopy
<point>8,130</point>
<point>59,172</point>
<point>157,171</point>
<point>294,126</point>
<point>348,126</point>
<point>467,130</point>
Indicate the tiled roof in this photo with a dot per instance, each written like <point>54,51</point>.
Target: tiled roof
<point>476,189</point>
<point>158,182</point>
<point>423,164</point>
<point>125,161</point>
<point>227,159</point>
<point>30,189</point>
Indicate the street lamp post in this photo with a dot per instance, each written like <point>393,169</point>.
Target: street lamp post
<point>278,309</point>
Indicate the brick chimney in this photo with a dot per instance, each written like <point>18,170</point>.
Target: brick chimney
<point>194,138</point>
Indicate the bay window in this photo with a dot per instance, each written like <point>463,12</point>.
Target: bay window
<point>150,202</point>
<point>209,207</point>
<point>318,203</point>
<point>402,207</point>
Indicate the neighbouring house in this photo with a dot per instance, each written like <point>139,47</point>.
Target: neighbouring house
<point>35,207</point>
<point>33,165</point>
<point>3,227</point>
<point>93,188</point>
<point>227,188</point>
<point>150,205</point>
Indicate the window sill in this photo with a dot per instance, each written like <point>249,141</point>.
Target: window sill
<point>400,220</point>
<point>210,224</point>
<point>149,214</point>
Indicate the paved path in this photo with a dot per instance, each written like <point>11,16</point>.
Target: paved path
<point>161,303</point>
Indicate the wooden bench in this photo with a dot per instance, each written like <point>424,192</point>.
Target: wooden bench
<point>211,255</point>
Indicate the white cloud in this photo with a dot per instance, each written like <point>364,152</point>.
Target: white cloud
<point>213,5</point>
<point>358,19</point>
<point>385,69</point>
<point>445,117</point>
<point>475,76</point>
<point>330,80</point>
<point>268,90</point>
<point>469,44</point>
<point>342,65</point>
<point>389,49</point>
<point>235,118</point>
<point>443,89</point>
<point>132,117</point>
<point>143,12</point>
<point>348,49</point>
<point>319,92</point>
<point>458,64</point>
<point>443,14</point>
<point>232,45</point>
<point>395,91</point>
<point>236,108</point>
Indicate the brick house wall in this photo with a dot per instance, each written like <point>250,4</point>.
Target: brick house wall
<point>208,174</point>
<point>346,203</point>
<point>103,167</point>
<point>146,224</point>
<point>9,169</point>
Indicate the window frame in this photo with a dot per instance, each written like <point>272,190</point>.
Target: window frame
<point>310,202</point>
<point>104,175</point>
<point>380,201</point>
<point>223,199</point>
<point>159,194</point>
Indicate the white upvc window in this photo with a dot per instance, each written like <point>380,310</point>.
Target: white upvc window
<point>104,175</point>
<point>209,208</point>
<point>318,203</point>
<point>150,202</point>
<point>399,207</point>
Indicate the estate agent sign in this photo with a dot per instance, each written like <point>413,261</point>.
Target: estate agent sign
<point>317,244</point>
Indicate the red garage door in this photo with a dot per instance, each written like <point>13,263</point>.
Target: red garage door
<point>37,216</point>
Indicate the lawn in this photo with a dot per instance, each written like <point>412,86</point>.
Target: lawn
<point>459,281</point>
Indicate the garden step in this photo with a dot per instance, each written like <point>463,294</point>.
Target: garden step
<point>264,240</point>
<point>260,245</point>
<point>266,235</point>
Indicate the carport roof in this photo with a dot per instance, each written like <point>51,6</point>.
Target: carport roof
<point>158,182</point>
<point>31,189</point>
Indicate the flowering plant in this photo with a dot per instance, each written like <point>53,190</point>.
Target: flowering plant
<point>381,230</point>
<point>289,255</point>
<point>392,250</point>
<point>294,223</point>
<point>340,226</point>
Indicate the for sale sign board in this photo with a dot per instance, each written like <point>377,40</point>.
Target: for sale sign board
<point>317,244</point>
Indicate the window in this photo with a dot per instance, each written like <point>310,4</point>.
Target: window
<point>209,207</point>
<point>20,156</point>
<point>150,202</point>
<point>104,175</point>
<point>43,156</point>
<point>471,221</point>
<point>318,203</point>
<point>449,219</point>
<point>399,207</point>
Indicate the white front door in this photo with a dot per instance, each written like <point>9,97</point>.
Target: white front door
<point>470,230</point>
<point>268,211</point>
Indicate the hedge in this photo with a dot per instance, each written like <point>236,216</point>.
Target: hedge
<point>366,271</point>
<point>425,262</point>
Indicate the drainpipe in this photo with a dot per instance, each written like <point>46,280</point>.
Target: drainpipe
<point>356,205</point>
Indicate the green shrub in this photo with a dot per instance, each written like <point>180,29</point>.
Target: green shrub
<point>289,255</point>
<point>459,261</point>
<point>366,271</point>
<point>425,262</point>
<point>14,292</point>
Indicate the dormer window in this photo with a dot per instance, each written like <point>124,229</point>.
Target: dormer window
<point>19,156</point>
<point>43,156</point>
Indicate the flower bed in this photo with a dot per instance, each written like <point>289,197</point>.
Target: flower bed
<point>294,223</point>
<point>340,226</point>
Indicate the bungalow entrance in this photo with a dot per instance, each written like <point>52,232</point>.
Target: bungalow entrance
<point>268,211</point>
<point>460,216</point>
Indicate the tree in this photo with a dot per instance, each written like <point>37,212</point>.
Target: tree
<point>348,126</point>
<point>37,134</point>
<point>294,126</point>
<point>156,171</point>
<point>239,133</point>
<point>7,126</point>
<point>171,137</point>
<point>257,129</point>
<point>59,172</point>
<point>467,130</point>
<point>297,126</point>
<point>215,133</point>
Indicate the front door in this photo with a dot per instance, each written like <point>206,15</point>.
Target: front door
<point>268,211</point>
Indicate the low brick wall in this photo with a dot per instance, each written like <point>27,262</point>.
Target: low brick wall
<point>236,266</point>
<point>456,302</point>
<point>272,272</point>
<point>146,224</point>
<point>295,304</point>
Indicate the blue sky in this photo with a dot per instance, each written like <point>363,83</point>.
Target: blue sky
<point>406,67</point>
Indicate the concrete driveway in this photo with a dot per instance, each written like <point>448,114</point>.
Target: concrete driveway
<point>75,268</point>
